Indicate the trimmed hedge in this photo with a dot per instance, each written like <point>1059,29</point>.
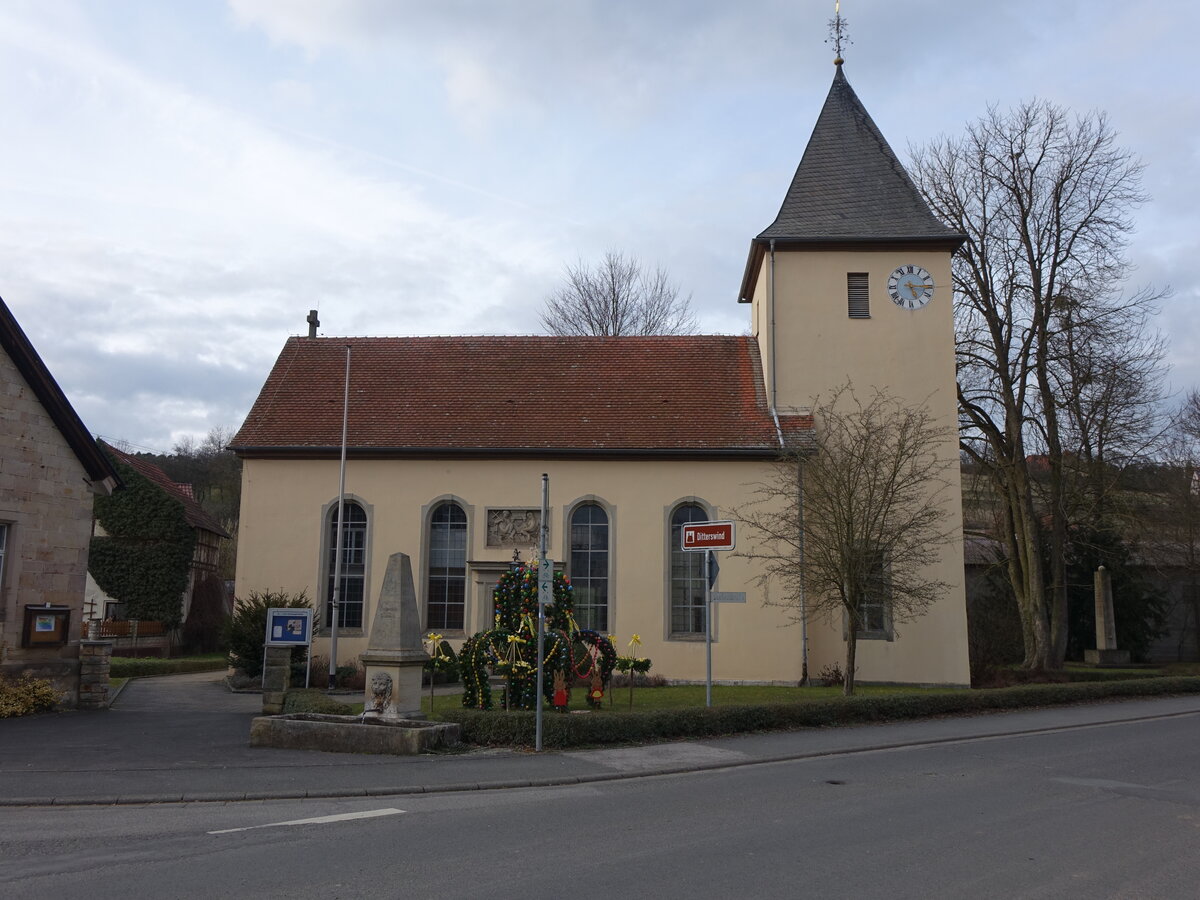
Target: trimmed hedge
<point>516,728</point>
<point>1077,676</point>
<point>136,666</point>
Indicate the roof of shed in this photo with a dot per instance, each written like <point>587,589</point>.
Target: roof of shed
<point>193,513</point>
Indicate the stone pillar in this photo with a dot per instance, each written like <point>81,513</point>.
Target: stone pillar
<point>277,678</point>
<point>394,648</point>
<point>1106,652</point>
<point>94,660</point>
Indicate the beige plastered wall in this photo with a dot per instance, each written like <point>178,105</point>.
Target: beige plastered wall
<point>910,353</point>
<point>280,547</point>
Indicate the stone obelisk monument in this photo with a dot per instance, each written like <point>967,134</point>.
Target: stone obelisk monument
<point>1106,652</point>
<point>395,653</point>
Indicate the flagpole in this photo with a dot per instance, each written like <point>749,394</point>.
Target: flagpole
<point>335,601</point>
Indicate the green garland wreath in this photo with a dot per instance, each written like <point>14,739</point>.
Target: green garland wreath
<point>509,648</point>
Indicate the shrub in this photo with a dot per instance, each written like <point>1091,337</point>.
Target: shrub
<point>656,680</point>
<point>516,728</point>
<point>245,629</point>
<point>442,668</point>
<point>313,700</point>
<point>831,676</point>
<point>350,677</point>
<point>26,695</point>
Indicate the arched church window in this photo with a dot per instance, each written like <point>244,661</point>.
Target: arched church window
<point>687,574</point>
<point>589,566</point>
<point>447,594</point>
<point>354,565</point>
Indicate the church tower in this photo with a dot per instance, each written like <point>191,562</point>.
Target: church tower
<point>851,284</point>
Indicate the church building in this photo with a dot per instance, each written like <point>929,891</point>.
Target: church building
<point>448,437</point>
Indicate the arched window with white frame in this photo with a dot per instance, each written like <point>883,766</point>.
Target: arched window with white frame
<point>446,594</point>
<point>354,565</point>
<point>687,575</point>
<point>589,566</point>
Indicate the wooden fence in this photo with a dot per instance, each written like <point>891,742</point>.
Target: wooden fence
<point>136,636</point>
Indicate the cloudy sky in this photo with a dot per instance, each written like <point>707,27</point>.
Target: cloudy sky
<point>181,181</point>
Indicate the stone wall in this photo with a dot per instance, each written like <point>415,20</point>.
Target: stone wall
<point>46,505</point>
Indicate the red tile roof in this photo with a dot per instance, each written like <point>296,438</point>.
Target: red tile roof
<point>193,513</point>
<point>445,395</point>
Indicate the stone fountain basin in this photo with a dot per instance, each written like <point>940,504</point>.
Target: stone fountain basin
<point>352,734</point>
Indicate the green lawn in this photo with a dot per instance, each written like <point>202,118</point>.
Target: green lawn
<point>687,695</point>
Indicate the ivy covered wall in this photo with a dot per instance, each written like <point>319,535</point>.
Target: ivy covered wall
<point>142,559</point>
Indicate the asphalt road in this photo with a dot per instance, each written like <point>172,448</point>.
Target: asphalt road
<point>1093,812</point>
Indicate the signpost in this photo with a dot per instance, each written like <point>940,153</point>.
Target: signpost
<point>545,595</point>
<point>705,537</point>
<point>545,581</point>
<point>290,628</point>
<point>708,536</point>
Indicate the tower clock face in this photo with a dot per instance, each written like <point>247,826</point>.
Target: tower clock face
<point>910,287</point>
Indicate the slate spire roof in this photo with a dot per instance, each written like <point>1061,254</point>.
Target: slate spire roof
<point>850,186</point>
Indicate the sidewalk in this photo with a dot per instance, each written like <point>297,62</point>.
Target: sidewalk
<point>186,738</point>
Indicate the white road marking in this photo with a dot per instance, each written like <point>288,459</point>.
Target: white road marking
<point>319,820</point>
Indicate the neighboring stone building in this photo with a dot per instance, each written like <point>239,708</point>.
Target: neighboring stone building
<point>448,438</point>
<point>49,470</point>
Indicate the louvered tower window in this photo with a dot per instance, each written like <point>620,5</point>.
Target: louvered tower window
<point>859,298</point>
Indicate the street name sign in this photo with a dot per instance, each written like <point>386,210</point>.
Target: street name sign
<point>708,536</point>
<point>728,596</point>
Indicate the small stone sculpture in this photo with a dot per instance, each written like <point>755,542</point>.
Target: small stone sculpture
<point>381,693</point>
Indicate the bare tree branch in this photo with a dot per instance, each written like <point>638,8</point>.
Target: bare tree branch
<point>871,518</point>
<point>617,297</point>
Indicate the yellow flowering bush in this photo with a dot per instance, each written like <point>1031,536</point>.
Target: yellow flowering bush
<point>26,695</point>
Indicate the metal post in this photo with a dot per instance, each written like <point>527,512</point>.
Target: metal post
<point>801,560</point>
<point>541,620</point>
<point>335,601</point>
<point>709,558</point>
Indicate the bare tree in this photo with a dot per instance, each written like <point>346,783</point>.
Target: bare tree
<point>854,517</point>
<point>1174,516</point>
<point>1046,337</point>
<point>1109,378</point>
<point>617,297</point>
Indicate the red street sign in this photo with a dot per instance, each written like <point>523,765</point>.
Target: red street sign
<point>708,536</point>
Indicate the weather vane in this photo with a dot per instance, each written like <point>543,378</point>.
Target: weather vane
<point>838,32</point>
